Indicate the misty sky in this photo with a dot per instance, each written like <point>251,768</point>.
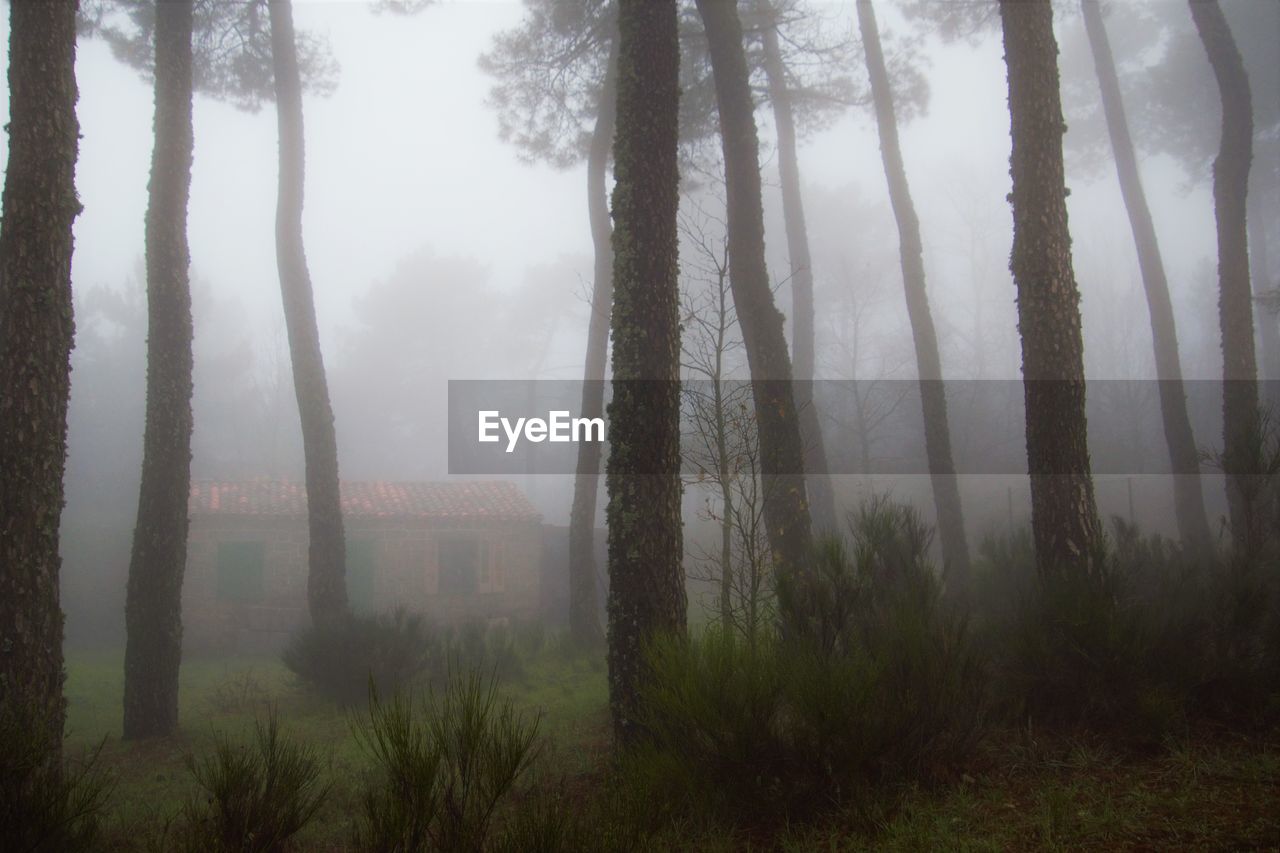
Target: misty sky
<point>405,154</point>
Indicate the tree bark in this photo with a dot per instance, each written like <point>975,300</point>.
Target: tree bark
<point>1235,296</point>
<point>781,447</point>
<point>933,397</point>
<point>584,620</point>
<point>646,579</point>
<point>326,580</point>
<point>1188,496</point>
<point>1064,515</point>
<point>153,606</point>
<point>36,332</point>
<point>1262,284</point>
<point>723,473</point>
<point>818,482</point>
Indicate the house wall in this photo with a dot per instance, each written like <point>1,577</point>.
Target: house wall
<point>406,571</point>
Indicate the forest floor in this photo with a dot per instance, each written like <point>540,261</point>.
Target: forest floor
<point>1208,791</point>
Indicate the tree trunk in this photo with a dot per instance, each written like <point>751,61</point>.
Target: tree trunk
<point>153,607</point>
<point>326,581</point>
<point>584,620</point>
<point>1262,284</point>
<point>36,331</point>
<point>724,474</point>
<point>781,448</point>
<point>646,579</point>
<point>1188,497</point>
<point>933,397</point>
<point>1235,297</point>
<point>1064,515</point>
<point>818,482</point>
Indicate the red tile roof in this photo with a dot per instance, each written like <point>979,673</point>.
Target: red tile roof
<point>457,500</point>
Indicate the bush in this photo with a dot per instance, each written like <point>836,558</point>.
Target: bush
<point>254,798</point>
<point>1154,637</point>
<point>443,767</point>
<point>397,650</point>
<point>870,678</point>
<point>45,804</point>
<point>339,660</point>
<point>545,821</point>
<point>475,646</point>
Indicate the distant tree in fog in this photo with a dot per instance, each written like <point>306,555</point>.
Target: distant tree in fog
<point>36,328</point>
<point>780,85</point>
<point>646,577</point>
<point>1193,523</point>
<point>247,52</point>
<point>1064,514</point>
<point>868,365</point>
<point>781,443</point>
<point>1171,91</point>
<point>153,604</point>
<point>722,450</point>
<point>326,579</point>
<point>231,47</point>
<point>933,399</point>
<point>555,99</point>
<point>552,96</point>
<point>1240,423</point>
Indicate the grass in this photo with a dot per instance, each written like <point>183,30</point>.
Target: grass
<point>227,696</point>
<point>1205,791</point>
<point>1071,795</point>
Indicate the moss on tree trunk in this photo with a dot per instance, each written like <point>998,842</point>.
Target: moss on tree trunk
<point>646,578</point>
<point>36,331</point>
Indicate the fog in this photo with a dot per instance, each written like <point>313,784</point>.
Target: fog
<point>959,526</point>
<point>437,254</point>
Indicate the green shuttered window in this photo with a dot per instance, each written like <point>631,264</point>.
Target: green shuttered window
<point>240,571</point>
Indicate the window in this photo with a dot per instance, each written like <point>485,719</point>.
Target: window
<point>493,577</point>
<point>360,575</point>
<point>240,571</point>
<point>459,561</point>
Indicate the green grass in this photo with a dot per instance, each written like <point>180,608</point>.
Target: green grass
<point>226,695</point>
<point>1208,792</point>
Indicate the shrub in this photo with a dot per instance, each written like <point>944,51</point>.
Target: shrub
<point>238,693</point>
<point>870,678</point>
<point>545,821</point>
<point>473,645</point>
<point>45,804</point>
<point>254,798</point>
<point>340,659</point>
<point>1156,635</point>
<point>443,766</point>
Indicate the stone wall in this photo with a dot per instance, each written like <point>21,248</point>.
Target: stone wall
<point>406,569</point>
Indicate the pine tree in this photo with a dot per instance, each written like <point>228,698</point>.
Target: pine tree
<point>326,580</point>
<point>153,607</point>
<point>933,399</point>
<point>646,578</point>
<point>781,446</point>
<point>36,331</point>
<point>1240,425</point>
<point>1064,514</point>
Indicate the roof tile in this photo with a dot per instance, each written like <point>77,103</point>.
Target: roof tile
<point>454,500</point>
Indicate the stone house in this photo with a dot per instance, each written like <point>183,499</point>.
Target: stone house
<point>452,550</point>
